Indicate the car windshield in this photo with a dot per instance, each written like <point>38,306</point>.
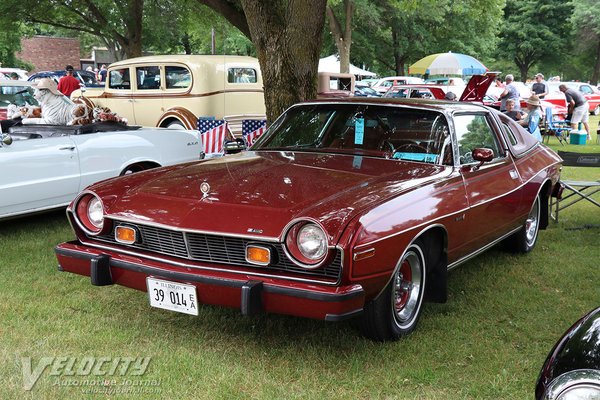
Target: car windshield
<point>18,95</point>
<point>361,129</point>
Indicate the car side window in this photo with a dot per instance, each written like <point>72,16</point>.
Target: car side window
<point>119,79</point>
<point>474,131</point>
<point>241,75</point>
<point>148,77</point>
<point>177,77</point>
<point>586,89</point>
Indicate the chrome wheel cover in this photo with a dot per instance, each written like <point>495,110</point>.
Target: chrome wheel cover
<point>531,225</point>
<point>407,285</point>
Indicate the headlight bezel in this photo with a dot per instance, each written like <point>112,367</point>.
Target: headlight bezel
<point>82,210</point>
<point>293,249</point>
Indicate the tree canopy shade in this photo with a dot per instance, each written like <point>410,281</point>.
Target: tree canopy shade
<point>287,37</point>
<point>586,20</point>
<point>533,30</point>
<point>118,23</point>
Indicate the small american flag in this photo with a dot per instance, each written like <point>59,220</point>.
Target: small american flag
<point>213,133</point>
<point>252,129</point>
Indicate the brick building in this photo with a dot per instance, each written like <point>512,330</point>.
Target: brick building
<point>50,53</point>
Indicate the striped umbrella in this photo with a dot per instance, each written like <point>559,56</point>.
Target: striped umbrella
<point>447,63</point>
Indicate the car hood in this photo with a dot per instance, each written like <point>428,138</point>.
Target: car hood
<point>477,87</point>
<point>260,193</point>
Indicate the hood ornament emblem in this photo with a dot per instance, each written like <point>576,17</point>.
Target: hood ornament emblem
<point>205,189</point>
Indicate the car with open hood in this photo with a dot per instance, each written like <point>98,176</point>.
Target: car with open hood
<point>354,207</point>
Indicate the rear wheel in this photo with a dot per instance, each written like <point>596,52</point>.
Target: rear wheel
<point>396,311</point>
<point>524,240</point>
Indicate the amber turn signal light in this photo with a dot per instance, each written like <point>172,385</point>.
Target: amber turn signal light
<point>258,255</point>
<point>125,234</point>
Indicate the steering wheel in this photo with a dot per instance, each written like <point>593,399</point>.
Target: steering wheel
<point>411,148</point>
<point>386,145</point>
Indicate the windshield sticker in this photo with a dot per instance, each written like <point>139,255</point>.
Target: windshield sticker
<point>430,158</point>
<point>359,130</point>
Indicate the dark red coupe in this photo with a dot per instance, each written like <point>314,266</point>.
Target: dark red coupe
<point>345,208</point>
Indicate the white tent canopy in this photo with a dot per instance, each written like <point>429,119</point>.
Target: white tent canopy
<point>332,64</point>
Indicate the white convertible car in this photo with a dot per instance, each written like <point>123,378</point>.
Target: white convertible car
<point>45,166</point>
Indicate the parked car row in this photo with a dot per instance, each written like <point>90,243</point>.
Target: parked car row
<point>86,78</point>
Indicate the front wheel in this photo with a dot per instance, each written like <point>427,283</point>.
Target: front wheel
<point>396,311</point>
<point>523,241</point>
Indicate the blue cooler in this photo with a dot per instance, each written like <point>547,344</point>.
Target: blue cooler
<point>577,137</point>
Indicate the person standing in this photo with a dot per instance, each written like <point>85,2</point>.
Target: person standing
<point>68,83</point>
<point>578,103</point>
<point>102,73</point>
<point>540,87</point>
<point>510,92</point>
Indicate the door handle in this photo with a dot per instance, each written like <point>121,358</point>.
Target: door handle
<point>67,148</point>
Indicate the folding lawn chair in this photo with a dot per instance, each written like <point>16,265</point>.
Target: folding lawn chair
<point>574,191</point>
<point>556,127</point>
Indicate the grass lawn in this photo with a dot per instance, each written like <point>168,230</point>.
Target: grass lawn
<point>489,341</point>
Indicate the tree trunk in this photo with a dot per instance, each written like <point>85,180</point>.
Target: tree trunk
<point>596,74</point>
<point>287,36</point>
<point>343,40</point>
<point>132,42</point>
<point>398,59</point>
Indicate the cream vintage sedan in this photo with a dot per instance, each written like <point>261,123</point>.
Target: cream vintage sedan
<point>174,91</point>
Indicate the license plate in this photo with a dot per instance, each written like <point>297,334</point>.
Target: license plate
<point>172,296</point>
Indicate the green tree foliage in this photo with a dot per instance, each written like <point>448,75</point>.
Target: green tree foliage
<point>10,43</point>
<point>533,31</point>
<point>117,23</point>
<point>586,22</point>
<point>396,33</point>
<point>190,30</point>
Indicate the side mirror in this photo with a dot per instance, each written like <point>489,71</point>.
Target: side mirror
<point>234,146</point>
<point>6,139</point>
<point>482,155</point>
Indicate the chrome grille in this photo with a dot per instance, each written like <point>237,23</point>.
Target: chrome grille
<point>215,249</point>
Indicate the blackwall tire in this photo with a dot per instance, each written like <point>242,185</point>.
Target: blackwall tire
<point>396,311</point>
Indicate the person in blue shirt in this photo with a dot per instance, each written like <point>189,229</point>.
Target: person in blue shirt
<point>533,118</point>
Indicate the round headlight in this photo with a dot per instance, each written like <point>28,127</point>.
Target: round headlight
<point>312,242</point>
<point>89,213</point>
<point>306,244</point>
<point>95,212</point>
